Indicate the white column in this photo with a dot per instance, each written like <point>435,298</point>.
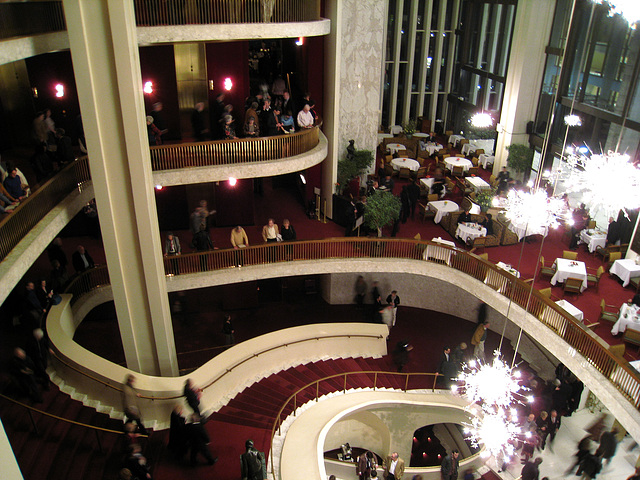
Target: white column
<point>104,50</point>
<point>353,67</point>
<point>524,75</point>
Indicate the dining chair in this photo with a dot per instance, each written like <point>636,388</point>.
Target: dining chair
<point>591,326</point>
<point>573,285</point>
<point>484,256</point>
<point>492,180</point>
<point>388,170</point>
<point>569,255</point>
<point>422,172</point>
<point>472,171</point>
<point>458,171</point>
<point>479,151</point>
<point>632,336</point>
<point>595,278</point>
<point>475,161</point>
<point>544,270</point>
<point>545,292</point>
<point>388,158</point>
<point>606,313</point>
<point>478,242</point>
<point>592,224</point>
<point>448,133</point>
<point>613,256</point>
<point>405,173</point>
<point>635,283</point>
<point>464,141</point>
<point>433,197</point>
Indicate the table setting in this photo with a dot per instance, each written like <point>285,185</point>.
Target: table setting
<point>508,268</point>
<point>629,317</point>
<point>395,147</point>
<point>410,163</point>
<point>593,238</point>
<point>467,231</point>
<point>478,184</point>
<point>458,162</point>
<point>437,252</point>
<point>566,268</point>
<point>625,269</point>
<point>442,208</point>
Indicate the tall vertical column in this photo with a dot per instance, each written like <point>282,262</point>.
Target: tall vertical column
<point>524,75</point>
<point>104,49</point>
<point>353,68</point>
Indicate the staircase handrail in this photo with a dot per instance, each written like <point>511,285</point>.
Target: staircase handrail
<point>624,378</point>
<point>277,423</point>
<point>31,409</point>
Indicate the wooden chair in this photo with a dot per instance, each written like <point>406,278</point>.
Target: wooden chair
<point>618,350</point>
<point>425,212</point>
<point>446,155</point>
<point>492,180</point>
<point>613,256</point>
<point>545,292</point>
<point>404,173</point>
<point>479,152</point>
<point>464,141</point>
<point>595,278</point>
<point>635,283</point>
<point>475,161</point>
<point>484,256</point>
<point>422,172</point>
<point>478,242</point>
<point>606,251</point>
<point>458,171</point>
<point>388,170</point>
<point>632,336</point>
<point>388,158</point>
<point>591,326</point>
<point>403,154</point>
<point>572,285</point>
<point>592,224</point>
<point>472,171</point>
<point>606,313</point>
<point>569,255</point>
<point>448,133</point>
<point>433,197</point>
<point>544,270</point>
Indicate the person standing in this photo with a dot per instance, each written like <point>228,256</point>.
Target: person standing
<point>202,241</point>
<point>252,463</point>
<point>130,403</point>
<point>449,467</point>
<point>554,425</point>
<point>393,467</point>
<point>531,470</point>
<point>228,331</point>
<point>361,290</point>
<point>447,368</point>
<point>192,395</point>
<point>81,260</point>
<point>503,180</point>
<point>288,232</point>
<point>270,231</point>
<point>394,300</point>
<point>608,445</point>
<point>198,124</point>
<point>172,245</point>
<point>199,440</point>
<point>366,464</point>
<point>479,337</point>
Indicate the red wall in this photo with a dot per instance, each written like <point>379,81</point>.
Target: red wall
<point>157,65</point>
<point>229,59</point>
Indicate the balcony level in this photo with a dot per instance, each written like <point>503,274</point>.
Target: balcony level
<point>171,21</point>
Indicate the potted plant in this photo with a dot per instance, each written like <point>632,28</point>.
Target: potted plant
<point>352,167</point>
<point>409,127</point>
<point>484,198</point>
<point>381,209</point>
<point>520,158</point>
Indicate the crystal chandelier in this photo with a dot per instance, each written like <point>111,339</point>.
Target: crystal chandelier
<point>534,209</point>
<point>572,120</point>
<point>481,120</point>
<point>628,9</point>
<point>493,388</point>
<point>609,183</point>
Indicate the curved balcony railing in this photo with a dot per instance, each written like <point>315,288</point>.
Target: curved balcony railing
<point>193,12</point>
<point>20,19</point>
<point>230,152</point>
<point>164,157</point>
<point>574,333</point>
<point>14,227</point>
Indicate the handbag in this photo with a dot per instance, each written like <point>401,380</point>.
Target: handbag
<point>278,237</point>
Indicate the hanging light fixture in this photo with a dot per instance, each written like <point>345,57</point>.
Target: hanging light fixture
<point>481,120</point>
<point>572,120</point>
<point>609,183</point>
<point>535,209</point>
<point>627,9</point>
<point>494,390</point>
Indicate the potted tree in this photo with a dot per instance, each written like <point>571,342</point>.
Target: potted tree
<point>520,159</point>
<point>353,166</point>
<point>381,209</point>
<point>409,127</point>
<point>485,198</point>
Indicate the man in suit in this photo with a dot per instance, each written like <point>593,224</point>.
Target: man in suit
<point>393,467</point>
<point>81,260</point>
<point>449,467</point>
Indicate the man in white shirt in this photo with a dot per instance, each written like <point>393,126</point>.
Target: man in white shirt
<point>305,117</point>
<point>393,467</point>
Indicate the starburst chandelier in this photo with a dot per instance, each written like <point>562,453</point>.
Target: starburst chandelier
<point>609,183</point>
<point>481,120</point>
<point>494,389</point>
<point>534,209</point>
<point>628,9</point>
<point>572,120</point>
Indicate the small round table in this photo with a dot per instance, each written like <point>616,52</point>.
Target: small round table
<point>398,163</point>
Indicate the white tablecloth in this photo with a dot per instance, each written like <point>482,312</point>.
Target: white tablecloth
<point>453,139</point>
<point>565,268</point>
<point>593,239</point>
<point>470,231</point>
<point>421,135</point>
<point>636,365</point>
<point>486,145</point>
<point>629,318</point>
<point>442,208</point>
<point>524,230</point>
<point>458,162</point>
<point>508,268</point>
<point>427,183</point>
<point>478,184</point>
<point>398,163</point>
<point>431,147</point>
<point>439,253</point>
<point>485,160</point>
<point>625,269</point>
<point>570,309</point>
<point>382,136</point>
<point>394,147</point>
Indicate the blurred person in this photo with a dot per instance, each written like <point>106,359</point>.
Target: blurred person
<point>608,445</point>
<point>401,354</point>
<point>449,466</point>
<point>478,339</point>
<point>198,123</point>
<point>361,290</point>
<point>23,370</point>
<point>177,435</point>
<point>228,330</point>
<point>14,184</point>
<point>365,465</point>
<point>531,470</point>
<point>130,404</point>
<point>198,440</point>
<point>192,395</point>
<point>81,260</point>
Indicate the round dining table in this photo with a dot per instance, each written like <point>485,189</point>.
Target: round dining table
<point>410,163</point>
<point>458,162</point>
<point>394,147</point>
